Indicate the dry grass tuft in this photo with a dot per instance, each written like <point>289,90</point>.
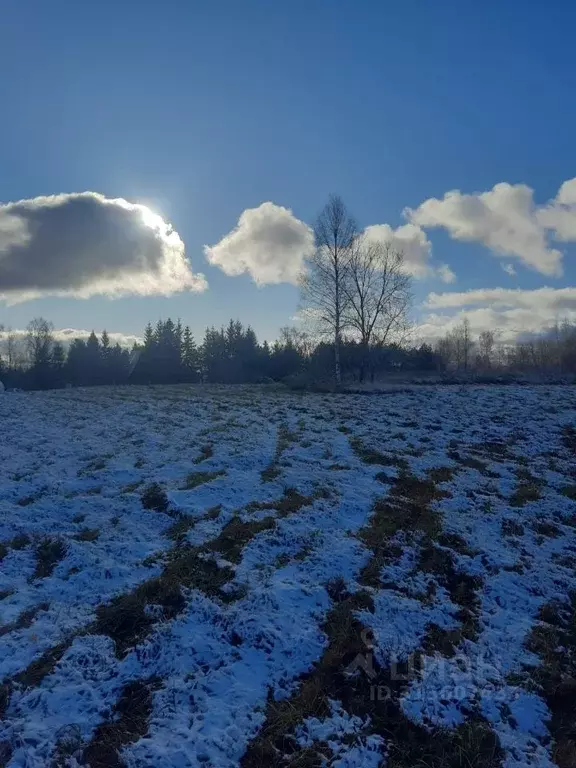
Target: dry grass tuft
<point>554,641</point>
<point>195,479</point>
<point>154,497</point>
<point>127,724</point>
<point>48,552</point>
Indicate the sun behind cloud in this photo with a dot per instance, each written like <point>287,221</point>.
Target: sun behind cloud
<point>85,244</point>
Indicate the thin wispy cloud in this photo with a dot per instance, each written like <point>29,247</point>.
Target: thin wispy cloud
<point>84,244</point>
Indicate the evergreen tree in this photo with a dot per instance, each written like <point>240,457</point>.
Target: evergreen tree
<point>105,358</point>
<point>58,363</point>
<point>93,360</point>
<point>118,364</point>
<point>190,356</point>
<point>76,363</point>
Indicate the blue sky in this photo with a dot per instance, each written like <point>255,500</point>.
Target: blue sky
<point>202,110</point>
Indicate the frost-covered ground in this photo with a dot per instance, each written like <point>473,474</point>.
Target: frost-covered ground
<point>314,580</point>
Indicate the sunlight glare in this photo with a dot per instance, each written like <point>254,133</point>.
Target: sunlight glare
<point>151,219</point>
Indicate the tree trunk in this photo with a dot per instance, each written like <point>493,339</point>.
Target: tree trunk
<point>337,371</point>
<point>363,361</point>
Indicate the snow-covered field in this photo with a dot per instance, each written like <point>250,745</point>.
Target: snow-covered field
<point>315,580</point>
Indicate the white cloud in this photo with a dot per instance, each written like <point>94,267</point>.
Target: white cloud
<point>410,240</point>
<point>269,243</point>
<point>503,219</point>
<point>67,335</point>
<point>511,312</point>
<point>83,244</point>
<point>560,214</point>
<point>413,243</point>
<point>554,299</point>
<point>509,269</point>
<point>446,274</point>
<point>64,335</point>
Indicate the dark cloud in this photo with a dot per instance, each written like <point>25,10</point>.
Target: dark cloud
<point>85,244</point>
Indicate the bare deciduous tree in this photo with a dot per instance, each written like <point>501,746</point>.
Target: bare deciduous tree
<point>456,347</point>
<point>486,342</point>
<point>297,339</point>
<point>325,280</point>
<point>378,294</point>
<point>39,340</point>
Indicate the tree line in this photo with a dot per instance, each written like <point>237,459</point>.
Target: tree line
<point>551,352</point>
<point>169,354</point>
<point>355,301</point>
<point>232,354</point>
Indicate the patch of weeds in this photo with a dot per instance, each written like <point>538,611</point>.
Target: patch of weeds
<point>25,501</point>
<point>289,503</point>
<point>154,497</point>
<point>371,456</point>
<point>193,570</point>
<point>128,619</point>
<point>283,441</point>
<point>78,518</point>
<point>457,543</point>
<point>236,534</point>
<point>569,437</point>
<point>20,541</point>
<point>569,491</point>
<point>344,429</point>
<point>408,744</point>
<point>471,463</point>
<point>512,528</point>
<point>441,474</point>
<point>422,492</point>
<point>206,452</point>
<point>114,520</point>
<point>48,552</point>
<point>463,590</point>
<point>195,479</point>
<point>4,593</point>
<point>4,698</point>
<point>24,620</point>
<point>88,534</point>
<point>525,493</point>
<point>554,641</point>
<point>406,508</point>
<point>545,528</point>
<point>128,723</point>
<point>213,512</point>
<point>3,551</point>
<point>178,530</point>
<point>494,450</point>
<point>68,740</point>
<point>5,746</point>
<point>131,487</point>
<point>338,467</point>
